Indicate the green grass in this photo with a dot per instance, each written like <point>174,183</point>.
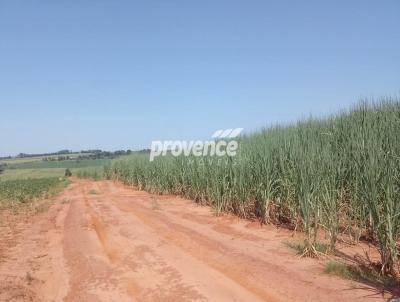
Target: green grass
<point>12,161</point>
<point>41,179</point>
<point>71,164</point>
<point>24,190</point>
<point>93,173</point>
<point>27,180</point>
<point>15,174</point>
<point>338,172</point>
<point>41,169</point>
<point>360,274</point>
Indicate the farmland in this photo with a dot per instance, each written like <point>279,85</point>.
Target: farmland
<point>333,177</point>
<point>38,168</point>
<point>30,179</point>
<point>325,188</point>
<point>25,190</point>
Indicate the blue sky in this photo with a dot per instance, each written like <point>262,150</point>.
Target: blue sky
<point>119,74</point>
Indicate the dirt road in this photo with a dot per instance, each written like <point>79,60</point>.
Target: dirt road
<point>103,241</point>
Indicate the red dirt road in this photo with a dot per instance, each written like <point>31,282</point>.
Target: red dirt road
<point>103,241</point>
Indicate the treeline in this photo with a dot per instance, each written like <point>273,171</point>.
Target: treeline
<point>95,154</point>
<point>83,154</point>
<point>24,155</point>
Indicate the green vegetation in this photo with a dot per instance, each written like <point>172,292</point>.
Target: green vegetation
<point>359,274</point>
<point>26,158</point>
<point>67,173</point>
<point>15,174</point>
<point>300,247</point>
<point>41,169</point>
<point>24,190</point>
<point>28,178</point>
<point>337,173</point>
<point>70,164</point>
<point>93,173</point>
<point>87,163</point>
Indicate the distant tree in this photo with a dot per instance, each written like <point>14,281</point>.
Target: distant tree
<point>65,151</point>
<point>68,173</point>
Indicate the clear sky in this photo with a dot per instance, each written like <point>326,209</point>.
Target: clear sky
<point>119,74</point>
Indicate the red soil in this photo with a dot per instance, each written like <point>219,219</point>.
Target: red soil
<point>127,245</point>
